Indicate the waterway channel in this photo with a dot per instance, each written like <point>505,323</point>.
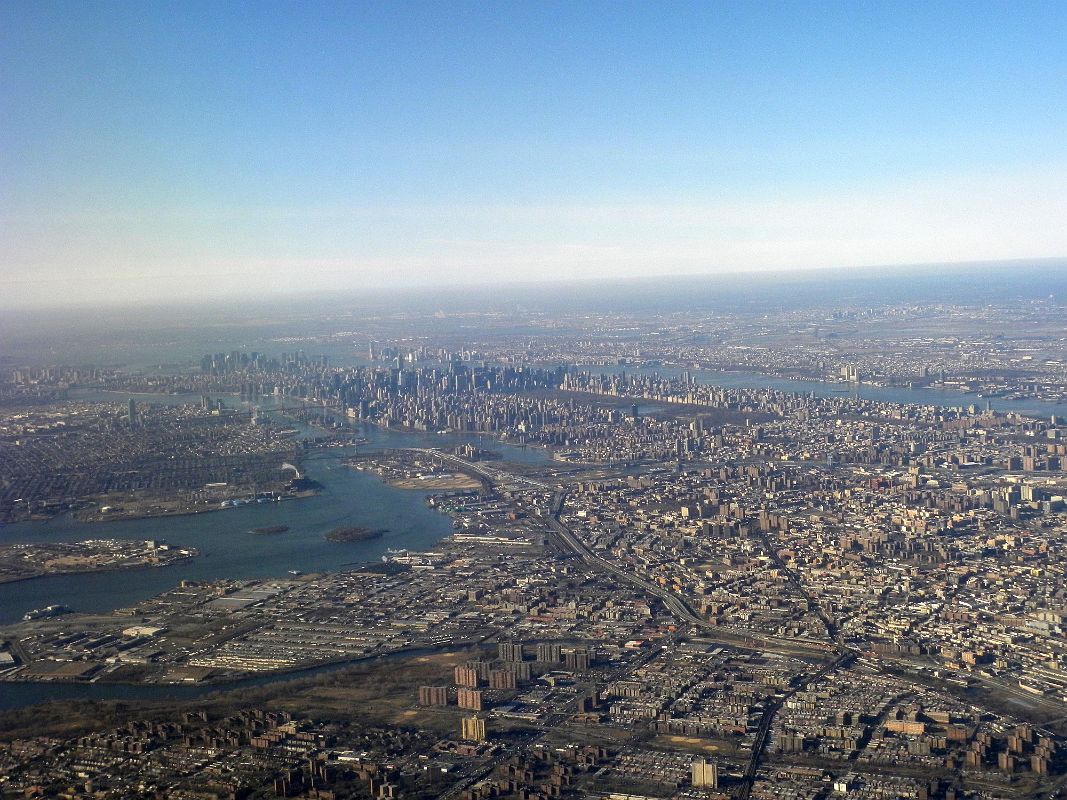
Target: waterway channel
<point>348,498</point>
<point>229,549</point>
<point>919,395</point>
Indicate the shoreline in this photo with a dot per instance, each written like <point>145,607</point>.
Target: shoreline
<point>253,678</point>
<point>127,568</point>
<point>96,520</point>
<point>773,374</point>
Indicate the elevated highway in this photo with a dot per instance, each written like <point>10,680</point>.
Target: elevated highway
<point>681,611</point>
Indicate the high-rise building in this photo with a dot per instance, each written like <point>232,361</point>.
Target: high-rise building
<point>705,773</point>
<point>509,651</point>
<point>433,695</point>
<point>502,679</point>
<point>470,699</point>
<point>481,668</point>
<point>466,676</point>
<point>520,669</point>
<point>790,742</point>
<point>576,660</point>
<point>549,653</point>
<point>473,729</point>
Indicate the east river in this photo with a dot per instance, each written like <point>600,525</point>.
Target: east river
<point>348,498</point>
<point>229,549</point>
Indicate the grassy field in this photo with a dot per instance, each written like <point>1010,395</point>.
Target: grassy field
<point>375,693</point>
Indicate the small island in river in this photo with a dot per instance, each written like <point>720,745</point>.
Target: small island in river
<point>23,561</point>
<point>271,529</point>
<point>354,534</point>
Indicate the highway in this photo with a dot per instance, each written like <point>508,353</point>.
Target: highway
<point>675,604</point>
<point>763,732</point>
<point>794,580</point>
<point>481,470</point>
<point>680,609</point>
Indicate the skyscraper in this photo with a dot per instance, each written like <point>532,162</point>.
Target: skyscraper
<point>473,729</point>
<point>705,773</point>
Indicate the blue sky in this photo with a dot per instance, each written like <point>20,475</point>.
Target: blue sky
<point>158,149</point>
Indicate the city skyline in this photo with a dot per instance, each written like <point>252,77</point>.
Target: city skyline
<point>454,400</point>
<point>808,547</point>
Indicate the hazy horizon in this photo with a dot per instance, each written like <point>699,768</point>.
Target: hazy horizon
<point>200,150</point>
<point>490,293</point>
<point>956,278</point>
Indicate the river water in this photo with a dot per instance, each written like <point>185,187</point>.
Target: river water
<point>919,395</point>
<point>228,549</point>
<point>348,498</point>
